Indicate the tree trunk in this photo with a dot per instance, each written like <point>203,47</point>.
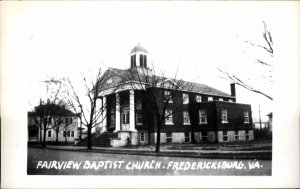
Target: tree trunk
<point>56,137</point>
<point>41,136</point>
<point>66,137</point>
<point>157,146</point>
<point>89,144</point>
<point>44,137</point>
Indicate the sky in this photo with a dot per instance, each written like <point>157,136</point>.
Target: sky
<point>67,39</point>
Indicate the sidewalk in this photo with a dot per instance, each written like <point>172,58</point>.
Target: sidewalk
<point>189,153</point>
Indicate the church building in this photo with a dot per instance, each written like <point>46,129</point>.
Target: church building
<point>215,117</point>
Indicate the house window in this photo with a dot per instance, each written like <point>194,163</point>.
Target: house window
<point>224,116</point>
<point>204,136</point>
<point>112,118</point>
<point>67,121</point>
<point>237,136</point>
<point>210,98</point>
<point>71,120</point>
<point>225,136</point>
<point>125,117</point>
<point>139,117</point>
<point>169,117</point>
<point>186,118</point>
<point>221,99</point>
<point>247,135</point>
<point>64,134</point>
<point>246,117</point>
<point>168,97</point>
<point>202,117</point>
<point>72,133</point>
<point>169,137</point>
<point>142,137</point>
<point>198,98</point>
<point>49,133</point>
<point>187,137</point>
<point>185,98</point>
<point>68,134</point>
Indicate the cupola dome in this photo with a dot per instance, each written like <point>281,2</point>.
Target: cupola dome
<point>138,57</point>
<point>138,48</point>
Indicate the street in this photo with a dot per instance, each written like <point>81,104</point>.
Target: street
<point>59,162</point>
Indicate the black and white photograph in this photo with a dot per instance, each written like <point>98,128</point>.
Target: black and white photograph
<point>164,90</point>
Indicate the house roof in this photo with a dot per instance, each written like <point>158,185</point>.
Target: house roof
<point>52,109</point>
<point>186,85</point>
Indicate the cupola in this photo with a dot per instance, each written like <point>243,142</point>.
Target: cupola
<point>138,57</point>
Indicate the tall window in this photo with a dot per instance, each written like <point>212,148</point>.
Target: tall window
<point>72,133</point>
<point>169,117</point>
<point>210,98</point>
<point>139,117</point>
<point>68,133</point>
<point>185,98</point>
<point>138,104</point>
<point>125,117</point>
<point>186,118</point>
<point>246,117</point>
<point>168,96</point>
<point>225,136</point>
<point>64,134</point>
<point>202,117</point>
<point>71,120</point>
<point>198,98</point>
<point>133,61</point>
<point>224,116</point>
<point>143,61</point>
<point>112,118</point>
<point>187,137</point>
<point>49,133</point>
<point>169,137</point>
<point>142,137</point>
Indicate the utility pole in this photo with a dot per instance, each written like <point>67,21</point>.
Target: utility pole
<point>259,117</point>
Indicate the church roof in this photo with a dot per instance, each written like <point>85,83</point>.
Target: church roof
<point>186,85</point>
<point>138,48</point>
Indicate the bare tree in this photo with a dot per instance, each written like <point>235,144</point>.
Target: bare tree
<point>267,66</point>
<point>66,127</point>
<point>92,113</point>
<point>57,118</point>
<point>46,111</point>
<point>60,119</point>
<point>164,95</point>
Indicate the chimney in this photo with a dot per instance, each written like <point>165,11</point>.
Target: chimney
<point>232,87</point>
